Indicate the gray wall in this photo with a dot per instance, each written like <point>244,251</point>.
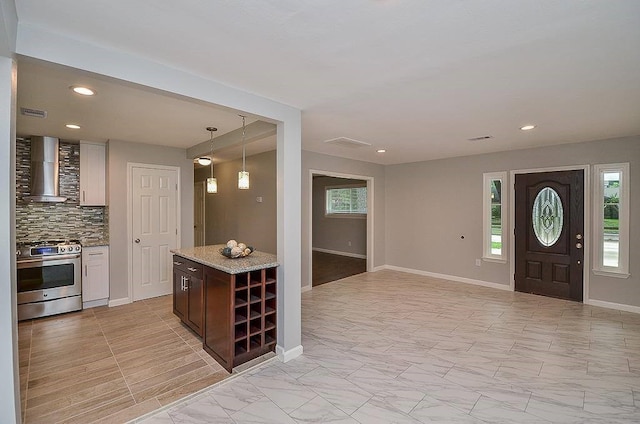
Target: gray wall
<point>235,214</point>
<point>10,381</point>
<point>432,204</point>
<point>121,153</point>
<point>321,162</point>
<point>336,233</point>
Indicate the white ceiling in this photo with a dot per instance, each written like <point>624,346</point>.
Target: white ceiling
<point>417,77</point>
<point>120,111</point>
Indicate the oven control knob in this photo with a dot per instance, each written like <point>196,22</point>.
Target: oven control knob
<point>63,249</point>
<point>77,248</point>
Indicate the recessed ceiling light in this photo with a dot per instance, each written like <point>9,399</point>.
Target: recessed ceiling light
<point>527,127</point>
<point>381,150</point>
<point>73,126</point>
<point>85,91</point>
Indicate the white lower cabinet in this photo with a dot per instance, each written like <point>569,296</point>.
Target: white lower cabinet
<point>95,276</point>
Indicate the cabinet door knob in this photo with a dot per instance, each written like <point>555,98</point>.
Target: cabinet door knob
<point>137,240</point>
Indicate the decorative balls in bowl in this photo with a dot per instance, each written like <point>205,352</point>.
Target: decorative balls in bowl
<point>235,250</point>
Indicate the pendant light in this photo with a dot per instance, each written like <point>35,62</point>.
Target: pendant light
<point>243,176</point>
<point>212,182</point>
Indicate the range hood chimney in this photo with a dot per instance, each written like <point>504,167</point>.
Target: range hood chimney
<point>44,170</point>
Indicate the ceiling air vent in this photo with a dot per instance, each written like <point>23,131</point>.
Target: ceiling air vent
<point>347,142</point>
<point>33,112</point>
<point>483,137</point>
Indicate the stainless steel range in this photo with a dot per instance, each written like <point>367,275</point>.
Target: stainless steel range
<point>49,278</point>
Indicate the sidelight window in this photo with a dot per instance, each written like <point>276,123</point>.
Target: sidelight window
<point>494,216</point>
<point>611,219</point>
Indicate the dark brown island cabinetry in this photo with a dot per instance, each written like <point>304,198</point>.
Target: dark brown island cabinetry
<point>188,293</point>
<point>237,310</point>
<point>240,315</point>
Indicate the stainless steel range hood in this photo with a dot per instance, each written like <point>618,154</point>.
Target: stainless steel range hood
<point>44,170</point>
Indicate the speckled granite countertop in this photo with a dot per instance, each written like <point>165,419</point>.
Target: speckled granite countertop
<point>93,242</point>
<point>211,257</point>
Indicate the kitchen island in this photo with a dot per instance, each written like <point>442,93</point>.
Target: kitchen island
<point>230,303</point>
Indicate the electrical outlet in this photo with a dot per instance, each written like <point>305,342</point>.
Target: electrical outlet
<point>349,243</point>
<point>259,199</point>
<point>478,262</point>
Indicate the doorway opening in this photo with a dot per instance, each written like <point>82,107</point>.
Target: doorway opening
<point>199,213</point>
<point>341,223</point>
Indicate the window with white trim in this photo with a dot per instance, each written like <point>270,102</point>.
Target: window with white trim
<point>346,201</point>
<point>494,204</point>
<point>611,219</point>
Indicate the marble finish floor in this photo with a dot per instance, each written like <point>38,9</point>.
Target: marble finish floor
<point>390,347</point>
<point>109,365</point>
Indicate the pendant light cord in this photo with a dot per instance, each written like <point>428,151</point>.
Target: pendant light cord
<point>243,134</point>
<point>211,130</point>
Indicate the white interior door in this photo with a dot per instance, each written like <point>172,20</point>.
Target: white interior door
<point>154,230</point>
<point>198,213</point>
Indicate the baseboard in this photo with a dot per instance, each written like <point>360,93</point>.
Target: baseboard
<point>95,303</point>
<point>286,356</point>
<point>305,288</point>
<point>449,277</point>
<point>612,305</point>
<point>335,252</point>
<point>379,268</point>
<point>118,302</point>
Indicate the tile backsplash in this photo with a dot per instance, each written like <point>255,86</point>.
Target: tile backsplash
<point>49,221</point>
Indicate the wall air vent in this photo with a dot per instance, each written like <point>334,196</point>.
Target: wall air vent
<point>347,142</point>
<point>484,137</point>
<point>33,112</point>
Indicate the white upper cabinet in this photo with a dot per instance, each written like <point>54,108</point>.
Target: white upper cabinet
<point>93,175</point>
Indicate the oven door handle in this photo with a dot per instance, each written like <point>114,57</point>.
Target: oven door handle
<point>41,261</point>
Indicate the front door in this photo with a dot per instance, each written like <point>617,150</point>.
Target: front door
<point>549,224</point>
<point>154,230</point>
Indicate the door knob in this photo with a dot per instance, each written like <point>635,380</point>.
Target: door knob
<point>137,240</point>
<point>578,236</point>
<point>579,245</point>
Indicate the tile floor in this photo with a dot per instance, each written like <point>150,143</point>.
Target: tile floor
<point>389,347</point>
<point>109,364</point>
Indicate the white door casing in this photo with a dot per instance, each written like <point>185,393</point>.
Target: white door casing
<point>154,229</point>
<point>199,213</point>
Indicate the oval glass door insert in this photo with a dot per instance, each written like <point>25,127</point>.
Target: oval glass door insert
<point>547,216</point>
